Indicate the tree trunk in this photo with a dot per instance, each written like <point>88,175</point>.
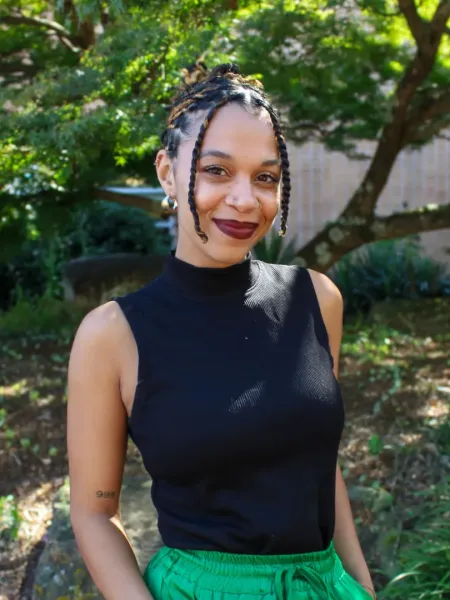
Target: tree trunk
<point>348,233</point>
<point>357,224</point>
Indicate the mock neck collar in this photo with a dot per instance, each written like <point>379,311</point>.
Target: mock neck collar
<point>208,282</point>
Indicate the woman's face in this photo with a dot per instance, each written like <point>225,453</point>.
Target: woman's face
<point>236,190</point>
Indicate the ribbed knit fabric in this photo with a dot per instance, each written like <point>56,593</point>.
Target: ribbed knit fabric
<point>237,413</point>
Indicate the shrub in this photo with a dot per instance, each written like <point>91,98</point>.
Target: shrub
<point>44,316</point>
<point>105,227</point>
<point>386,270</point>
<point>10,518</point>
<point>273,249</point>
<point>99,228</point>
<point>424,553</point>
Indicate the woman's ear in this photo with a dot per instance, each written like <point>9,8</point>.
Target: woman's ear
<point>164,170</point>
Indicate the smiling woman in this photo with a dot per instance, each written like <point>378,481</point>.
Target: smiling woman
<point>223,163</point>
<point>224,373</point>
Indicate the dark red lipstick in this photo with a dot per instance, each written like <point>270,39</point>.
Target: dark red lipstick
<point>240,230</point>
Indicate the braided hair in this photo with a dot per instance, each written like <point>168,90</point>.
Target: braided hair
<point>204,91</point>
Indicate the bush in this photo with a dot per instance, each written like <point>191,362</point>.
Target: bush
<point>10,518</point>
<point>386,270</point>
<point>100,228</point>
<point>105,227</point>
<point>45,316</point>
<point>273,249</point>
<point>424,553</point>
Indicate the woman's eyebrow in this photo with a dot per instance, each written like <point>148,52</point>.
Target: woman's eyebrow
<point>219,154</point>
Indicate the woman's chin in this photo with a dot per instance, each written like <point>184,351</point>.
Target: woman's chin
<point>228,253</point>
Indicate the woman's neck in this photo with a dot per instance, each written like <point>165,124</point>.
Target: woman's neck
<point>217,258</point>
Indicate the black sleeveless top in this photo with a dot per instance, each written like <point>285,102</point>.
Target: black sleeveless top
<point>237,413</point>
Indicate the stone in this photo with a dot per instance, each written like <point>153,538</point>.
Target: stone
<point>93,277</point>
<point>61,573</point>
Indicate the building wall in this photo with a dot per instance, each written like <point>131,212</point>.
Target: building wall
<point>323,182</point>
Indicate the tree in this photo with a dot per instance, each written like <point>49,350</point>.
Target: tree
<point>85,90</point>
<point>356,70</point>
<point>86,86</point>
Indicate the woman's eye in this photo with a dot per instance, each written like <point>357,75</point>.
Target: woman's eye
<point>268,178</point>
<point>214,170</point>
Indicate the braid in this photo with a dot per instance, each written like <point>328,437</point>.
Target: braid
<point>286,175</point>
<point>195,157</point>
<point>210,91</point>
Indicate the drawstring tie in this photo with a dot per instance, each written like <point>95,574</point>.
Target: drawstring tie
<point>284,583</point>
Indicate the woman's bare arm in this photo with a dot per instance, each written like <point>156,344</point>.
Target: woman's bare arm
<point>97,440</point>
<point>345,535</point>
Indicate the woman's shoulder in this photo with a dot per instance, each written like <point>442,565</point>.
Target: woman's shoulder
<point>102,320</point>
<point>100,331</point>
<point>328,294</point>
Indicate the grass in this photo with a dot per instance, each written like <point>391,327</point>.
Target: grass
<point>424,551</point>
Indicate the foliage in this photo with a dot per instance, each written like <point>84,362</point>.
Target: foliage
<point>44,316</point>
<point>273,249</point>
<point>10,519</point>
<point>334,65</point>
<point>424,554</point>
<point>443,436</point>
<point>86,85</point>
<point>385,270</point>
<point>89,114</point>
<point>95,228</point>
<point>103,228</point>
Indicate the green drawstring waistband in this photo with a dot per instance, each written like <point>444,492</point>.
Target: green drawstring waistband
<point>284,582</point>
<point>210,575</point>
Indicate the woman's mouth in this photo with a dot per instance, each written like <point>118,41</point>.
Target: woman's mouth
<point>239,230</point>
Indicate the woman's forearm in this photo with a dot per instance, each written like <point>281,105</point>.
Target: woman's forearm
<point>109,558</point>
<point>346,538</point>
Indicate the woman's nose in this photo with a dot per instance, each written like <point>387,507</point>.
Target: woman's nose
<point>243,198</point>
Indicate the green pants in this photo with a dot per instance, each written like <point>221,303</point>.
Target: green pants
<point>201,575</point>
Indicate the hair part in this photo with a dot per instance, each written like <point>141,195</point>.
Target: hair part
<point>203,91</point>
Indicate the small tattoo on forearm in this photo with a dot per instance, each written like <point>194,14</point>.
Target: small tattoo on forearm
<point>101,494</point>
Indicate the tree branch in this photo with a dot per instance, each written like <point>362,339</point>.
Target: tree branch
<point>417,125</point>
<point>418,27</point>
<point>68,44</point>
<point>37,22</point>
<point>430,108</point>
<point>71,42</point>
<point>440,18</point>
<point>348,233</point>
<point>422,134</point>
<point>391,142</point>
<point>430,217</point>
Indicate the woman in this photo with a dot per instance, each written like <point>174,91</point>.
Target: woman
<point>223,370</point>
